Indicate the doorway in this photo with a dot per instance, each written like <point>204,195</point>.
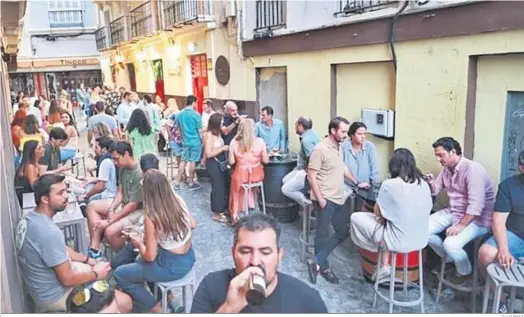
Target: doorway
<point>272,91</point>
<point>199,78</point>
<point>132,76</point>
<point>158,74</point>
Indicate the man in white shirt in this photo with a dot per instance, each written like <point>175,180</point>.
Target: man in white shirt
<point>206,114</point>
<point>124,110</point>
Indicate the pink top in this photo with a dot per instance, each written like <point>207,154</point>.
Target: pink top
<point>470,191</point>
<point>250,158</point>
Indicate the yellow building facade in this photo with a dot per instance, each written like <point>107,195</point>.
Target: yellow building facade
<point>456,85</point>
<point>188,37</point>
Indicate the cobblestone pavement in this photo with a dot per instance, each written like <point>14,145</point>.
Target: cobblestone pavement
<point>212,243</point>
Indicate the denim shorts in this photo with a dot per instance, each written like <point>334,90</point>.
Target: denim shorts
<point>192,154</point>
<point>515,245</point>
<point>176,148</point>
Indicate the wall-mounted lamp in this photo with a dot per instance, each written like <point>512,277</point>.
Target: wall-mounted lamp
<point>119,58</point>
<point>141,55</point>
<point>171,41</point>
<point>192,47</point>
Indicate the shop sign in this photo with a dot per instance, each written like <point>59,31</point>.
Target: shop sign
<point>56,62</point>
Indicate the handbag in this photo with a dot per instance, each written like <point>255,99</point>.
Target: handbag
<point>222,165</point>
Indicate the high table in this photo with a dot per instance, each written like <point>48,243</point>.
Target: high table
<point>70,221</point>
<point>281,207</point>
<point>369,259</point>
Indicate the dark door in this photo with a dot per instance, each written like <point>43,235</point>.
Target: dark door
<point>513,134</point>
<point>132,77</point>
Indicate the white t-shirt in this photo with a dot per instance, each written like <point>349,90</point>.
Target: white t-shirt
<point>205,118</point>
<point>107,174</point>
<point>406,207</point>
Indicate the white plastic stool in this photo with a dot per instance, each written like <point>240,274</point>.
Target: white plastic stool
<point>307,230</point>
<point>390,299</point>
<point>185,282</point>
<point>513,278</point>
<point>249,186</point>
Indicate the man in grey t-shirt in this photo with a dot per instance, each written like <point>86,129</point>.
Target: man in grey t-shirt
<point>51,269</point>
<point>102,117</point>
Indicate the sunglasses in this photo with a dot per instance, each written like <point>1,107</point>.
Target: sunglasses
<point>83,296</point>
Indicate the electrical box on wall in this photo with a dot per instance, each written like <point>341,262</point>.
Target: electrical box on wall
<point>380,122</point>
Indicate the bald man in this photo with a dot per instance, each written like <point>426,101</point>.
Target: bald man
<point>294,182</point>
<point>231,122</point>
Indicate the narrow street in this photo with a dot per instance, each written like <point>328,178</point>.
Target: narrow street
<point>212,242</point>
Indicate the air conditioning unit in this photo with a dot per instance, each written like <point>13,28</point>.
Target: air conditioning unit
<point>231,9</point>
<point>380,122</point>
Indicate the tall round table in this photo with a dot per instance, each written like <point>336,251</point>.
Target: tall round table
<point>281,207</point>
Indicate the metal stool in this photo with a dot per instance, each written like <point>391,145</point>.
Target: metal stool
<point>109,253</point>
<point>473,289</point>
<point>169,162</point>
<point>79,156</point>
<point>406,282</point>
<point>249,186</point>
<point>186,282</point>
<point>512,277</point>
<point>307,230</point>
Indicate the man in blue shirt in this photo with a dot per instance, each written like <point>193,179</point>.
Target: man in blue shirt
<point>294,181</point>
<point>190,124</point>
<point>506,246</point>
<point>271,131</point>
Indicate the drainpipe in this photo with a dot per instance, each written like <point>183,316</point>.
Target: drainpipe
<point>392,30</point>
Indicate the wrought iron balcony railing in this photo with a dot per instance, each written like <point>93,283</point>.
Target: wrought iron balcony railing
<point>144,19</point>
<point>350,7</point>
<point>271,14</point>
<point>118,30</point>
<point>177,12</point>
<point>102,38</point>
<point>66,18</point>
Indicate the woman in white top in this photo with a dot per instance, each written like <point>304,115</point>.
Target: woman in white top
<point>70,148</point>
<point>166,253</point>
<point>401,215</point>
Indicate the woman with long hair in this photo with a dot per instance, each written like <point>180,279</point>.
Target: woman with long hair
<point>141,134</point>
<point>17,127</point>
<point>65,104</point>
<point>54,117</point>
<point>69,150</point>
<point>215,156</point>
<point>248,153</point>
<point>31,131</point>
<point>28,171</point>
<point>400,218</point>
<point>172,108</point>
<point>166,253</point>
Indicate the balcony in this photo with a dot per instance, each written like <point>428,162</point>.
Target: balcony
<point>102,38</point>
<point>271,15</point>
<point>66,18</point>
<point>179,12</point>
<point>144,19</point>
<point>118,30</point>
<point>351,7</point>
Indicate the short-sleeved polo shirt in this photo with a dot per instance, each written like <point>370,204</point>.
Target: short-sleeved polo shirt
<point>327,161</point>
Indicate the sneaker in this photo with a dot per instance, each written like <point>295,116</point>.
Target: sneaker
<point>329,276</point>
<point>503,309</point>
<point>312,271</point>
<point>94,254</point>
<point>460,280</point>
<point>176,186</point>
<point>381,273</point>
<point>195,186</point>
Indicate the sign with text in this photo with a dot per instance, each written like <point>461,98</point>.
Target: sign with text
<point>56,62</point>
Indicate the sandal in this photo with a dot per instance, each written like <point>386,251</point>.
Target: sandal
<point>220,218</point>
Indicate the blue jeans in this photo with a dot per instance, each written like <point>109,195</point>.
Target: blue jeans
<point>67,154</point>
<point>515,245</point>
<point>337,216</point>
<point>130,275</point>
<point>453,247</point>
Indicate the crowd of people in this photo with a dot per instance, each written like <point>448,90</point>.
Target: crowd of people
<point>135,210</point>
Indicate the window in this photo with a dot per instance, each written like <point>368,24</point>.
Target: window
<point>350,7</point>
<point>65,13</point>
<point>271,14</point>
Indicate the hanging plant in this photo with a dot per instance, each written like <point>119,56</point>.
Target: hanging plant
<point>158,69</point>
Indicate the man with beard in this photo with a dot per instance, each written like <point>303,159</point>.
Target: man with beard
<point>51,269</point>
<point>231,122</point>
<point>256,251</point>
<point>327,186</point>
